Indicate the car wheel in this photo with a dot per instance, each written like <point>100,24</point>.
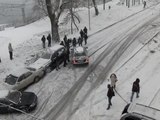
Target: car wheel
<point>36,79</point>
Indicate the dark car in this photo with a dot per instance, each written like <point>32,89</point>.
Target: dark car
<point>135,111</point>
<point>16,101</point>
<point>53,54</point>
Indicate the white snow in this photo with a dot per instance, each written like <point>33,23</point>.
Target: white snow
<point>145,65</point>
<point>3,93</point>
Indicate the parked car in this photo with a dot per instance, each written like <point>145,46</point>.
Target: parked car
<point>23,77</point>
<point>15,101</point>
<point>51,55</point>
<point>80,55</point>
<point>135,111</point>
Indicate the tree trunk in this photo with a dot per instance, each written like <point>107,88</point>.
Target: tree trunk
<point>54,30</point>
<point>95,7</point>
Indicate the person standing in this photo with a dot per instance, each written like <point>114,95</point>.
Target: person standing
<point>65,39</point>
<point>49,40</point>
<point>85,38</point>
<point>57,61</point>
<point>74,42</point>
<point>80,41</point>
<point>85,30</point>
<point>64,59</point>
<point>110,94</point>
<point>10,49</point>
<point>135,89</point>
<point>81,34</point>
<point>113,78</point>
<point>43,41</point>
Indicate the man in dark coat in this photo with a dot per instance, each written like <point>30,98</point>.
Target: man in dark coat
<point>85,30</point>
<point>110,94</point>
<point>80,40</point>
<point>43,41</point>
<point>81,33</point>
<point>49,40</point>
<point>65,59</point>
<point>65,39</point>
<point>74,42</point>
<point>85,38</point>
<point>135,89</point>
<point>57,62</point>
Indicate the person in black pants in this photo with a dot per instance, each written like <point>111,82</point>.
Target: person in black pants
<point>110,94</point>
<point>10,49</point>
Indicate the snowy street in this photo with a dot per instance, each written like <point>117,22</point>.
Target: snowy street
<point>130,48</point>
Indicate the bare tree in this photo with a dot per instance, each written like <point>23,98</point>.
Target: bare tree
<point>95,7</point>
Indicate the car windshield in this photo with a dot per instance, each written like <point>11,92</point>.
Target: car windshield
<point>80,54</point>
<point>46,56</point>
<point>14,97</point>
<point>11,79</point>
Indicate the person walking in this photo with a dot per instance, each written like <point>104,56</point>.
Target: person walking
<point>110,94</point>
<point>113,78</point>
<point>135,89</point>
<point>43,41</point>
<point>65,39</point>
<point>10,49</point>
<point>49,40</point>
<point>65,59</point>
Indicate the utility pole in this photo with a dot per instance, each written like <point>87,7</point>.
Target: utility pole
<point>89,19</point>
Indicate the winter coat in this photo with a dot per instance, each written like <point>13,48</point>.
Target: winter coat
<point>10,49</point>
<point>135,87</point>
<point>85,30</point>
<point>110,92</point>
<point>49,38</point>
<point>43,39</point>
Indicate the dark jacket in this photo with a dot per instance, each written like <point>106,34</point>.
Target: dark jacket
<point>110,92</point>
<point>135,87</point>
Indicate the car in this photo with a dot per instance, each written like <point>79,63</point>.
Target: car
<point>80,55</point>
<point>22,77</point>
<point>16,101</point>
<point>52,54</point>
<point>136,111</point>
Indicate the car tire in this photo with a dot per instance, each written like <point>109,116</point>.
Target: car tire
<point>36,79</point>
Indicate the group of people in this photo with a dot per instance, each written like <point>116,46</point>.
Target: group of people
<point>74,42</point>
<point>112,86</point>
<point>43,39</point>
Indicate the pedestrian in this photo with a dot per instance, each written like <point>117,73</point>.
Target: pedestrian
<point>85,30</point>
<point>65,59</point>
<point>65,39</point>
<point>85,38</point>
<point>144,4</point>
<point>43,41</point>
<point>114,79</point>
<point>57,61</point>
<point>109,7</point>
<point>49,40</point>
<point>68,54</point>
<point>74,42</point>
<point>0,60</point>
<point>10,49</point>
<point>81,33</point>
<point>135,89</point>
<point>80,41</point>
<point>110,94</point>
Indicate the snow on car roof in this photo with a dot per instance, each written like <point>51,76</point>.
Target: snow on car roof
<point>3,93</point>
<point>79,49</point>
<point>18,72</point>
<point>54,48</point>
<point>144,110</point>
<point>39,63</point>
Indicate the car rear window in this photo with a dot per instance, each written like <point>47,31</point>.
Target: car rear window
<point>46,56</point>
<point>11,79</point>
<point>80,54</point>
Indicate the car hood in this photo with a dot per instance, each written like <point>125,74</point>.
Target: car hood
<point>28,98</point>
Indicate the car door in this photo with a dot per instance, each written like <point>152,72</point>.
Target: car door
<point>24,80</point>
